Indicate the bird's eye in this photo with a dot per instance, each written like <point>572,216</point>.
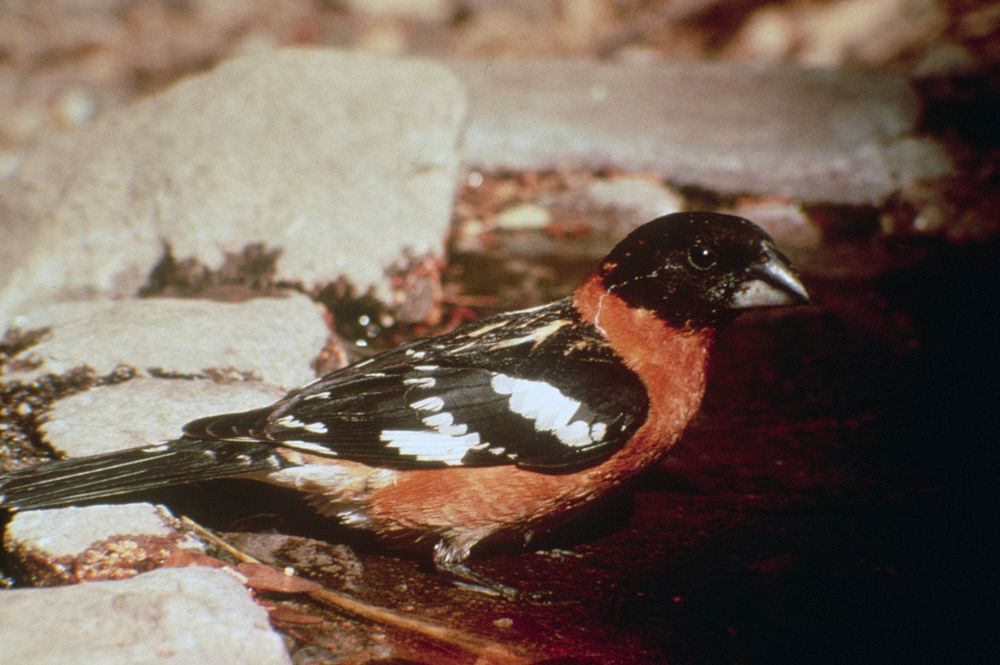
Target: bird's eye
<point>702,258</point>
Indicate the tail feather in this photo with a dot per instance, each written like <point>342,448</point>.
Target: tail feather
<point>185,460</point>
<point>232,425</point>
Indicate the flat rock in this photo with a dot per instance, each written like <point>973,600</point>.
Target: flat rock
<point>787,222</point>
<point>271,339</point>
<point>639,197</point>
<point>612,207</point>
<point>817,135</point>
<point>143,411</point>
<point>345,162</point>
<point>190,615</point>
<point>74,544</point>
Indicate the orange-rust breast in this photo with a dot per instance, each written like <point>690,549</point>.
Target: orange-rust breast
<point>671,364</point>
<point>473,503</point>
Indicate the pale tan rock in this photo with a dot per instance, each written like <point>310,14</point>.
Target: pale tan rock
<point>90,543</point>
<point>271,339</point>
<point>815,135</point>
<point>167,617</point>
<point>143,411</point>
<point>345,162</point>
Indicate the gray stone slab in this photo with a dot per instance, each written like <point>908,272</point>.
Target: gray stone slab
<point>69,531</point>
<point>346,162</point>
<point>52,547</point>
<point>273,339</point>
<point>143,411</point>
<point>817,135</point>
<point>182,616</point>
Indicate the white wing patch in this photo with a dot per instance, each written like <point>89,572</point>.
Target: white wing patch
<point>447,441</point>
<point>318,428</point>
<point>549,409</point>
<point>310,447</point>
<point>431,446</point>
<point>444,423</point>
<point>434,404</point>
<point>536,336</point>
<point>291,422</point>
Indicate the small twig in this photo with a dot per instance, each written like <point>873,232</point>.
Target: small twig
<point>487,650</point>
<point>202,532</point>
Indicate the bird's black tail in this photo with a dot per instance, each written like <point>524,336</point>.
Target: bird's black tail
<point>175,462</point>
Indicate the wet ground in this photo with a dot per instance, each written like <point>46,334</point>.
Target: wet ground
<point>829,505</point>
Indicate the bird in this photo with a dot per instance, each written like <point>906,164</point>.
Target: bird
<point>503,428</point>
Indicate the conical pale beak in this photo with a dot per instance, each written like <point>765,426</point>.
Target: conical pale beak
<point>772,283</point>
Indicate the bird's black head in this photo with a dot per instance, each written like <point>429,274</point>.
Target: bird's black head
<point>700,269</point>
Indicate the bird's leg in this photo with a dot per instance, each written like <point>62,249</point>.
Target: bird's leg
<point>449,559</point>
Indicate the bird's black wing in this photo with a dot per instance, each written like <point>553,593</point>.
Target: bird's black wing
<point>538,389</point>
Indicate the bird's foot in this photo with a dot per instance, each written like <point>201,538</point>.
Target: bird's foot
<point>463,576</point>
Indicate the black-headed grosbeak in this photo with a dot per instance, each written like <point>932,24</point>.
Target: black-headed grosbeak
<point>500,429</point>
